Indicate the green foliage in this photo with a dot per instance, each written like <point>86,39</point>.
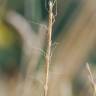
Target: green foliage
<point>17,5</point>
<point>10,48</point>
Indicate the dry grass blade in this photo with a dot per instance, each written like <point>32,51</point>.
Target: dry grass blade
<point>91,78</point>
<point>49,43</point>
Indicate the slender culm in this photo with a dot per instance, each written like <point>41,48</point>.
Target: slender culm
<point>48,51</point>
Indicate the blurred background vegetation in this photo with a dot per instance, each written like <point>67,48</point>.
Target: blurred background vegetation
<point>23,27</point>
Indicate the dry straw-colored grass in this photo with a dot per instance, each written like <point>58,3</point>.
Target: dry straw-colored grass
<point>91,78</point>
<point>49,43</point>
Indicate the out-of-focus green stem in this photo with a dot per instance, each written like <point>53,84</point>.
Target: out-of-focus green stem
<point>3,7</point>
<point>33,10</point>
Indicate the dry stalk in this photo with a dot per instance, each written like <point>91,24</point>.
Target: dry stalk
<point>91,78</point>
<point>49,43</point>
